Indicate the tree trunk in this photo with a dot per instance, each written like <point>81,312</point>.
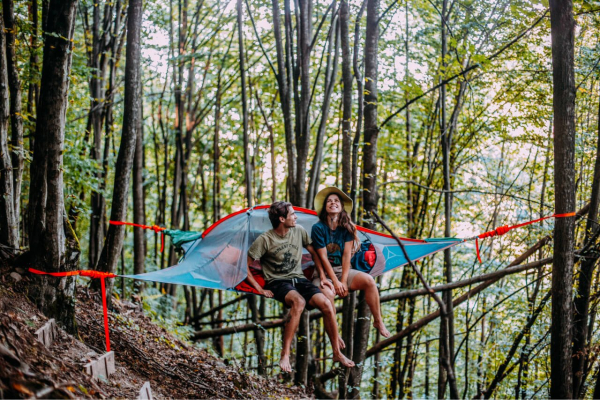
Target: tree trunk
<point>446,330</point>
<point>47,240</point>
<point>247,166</point>
<point>370,110</point>
<point>360,112</point>
<point>95,124</point>
<point>330,79</point>
<point>16,118</point>
<point>8,217</point>
<point>562,34</point>
<point>582,299</point>
<point>346,98</point>
<point>139,206</point>
<point>283,74</point>
<point>304,28</point>
<point>361,341</point>
<point>132,113</point>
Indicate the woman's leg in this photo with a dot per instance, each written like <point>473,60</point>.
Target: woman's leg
<point>366,282</point>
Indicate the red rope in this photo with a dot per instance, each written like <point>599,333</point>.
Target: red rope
<point>504,229</point>
<point>155,228</point>
<point>91,274</point>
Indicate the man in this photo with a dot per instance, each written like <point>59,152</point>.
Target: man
<point>280,253</point>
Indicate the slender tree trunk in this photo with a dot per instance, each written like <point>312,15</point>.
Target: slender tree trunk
<point>330,79</point>
<point>47,231</point>
<point>370,111</point>
<point>562,34</point>
<point>95,123</point>
<point>283,74</point>
<point>446,330</point>
<point>584,283</point>
<point>247,165</point>
<point>361,341</point>
<point>217,155</point>
<point>33,91</point>
<point>360,112</point>
<point>346,98</point>
<point>304,21</point>
<point>16,118</point>
<point>8,218</point>
<point>139,206</point>
<point>132,114</point>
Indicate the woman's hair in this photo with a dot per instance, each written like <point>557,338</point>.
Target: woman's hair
<point>344,220</point>
<point>278,209</point>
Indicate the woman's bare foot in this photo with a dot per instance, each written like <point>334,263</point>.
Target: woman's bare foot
<point>379,325</point>
<point>284,363</point>
<point>342,359</point>
<point>342,344</point>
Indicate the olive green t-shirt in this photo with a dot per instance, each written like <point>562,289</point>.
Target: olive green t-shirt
<point>280,257</point>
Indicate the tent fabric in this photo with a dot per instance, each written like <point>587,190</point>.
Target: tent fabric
<point>217,258</point>
<point>182,240</point>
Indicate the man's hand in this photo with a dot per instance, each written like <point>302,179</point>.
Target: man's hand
<point>266,293</point>
<point>326,283</point>
<point>340,288</point>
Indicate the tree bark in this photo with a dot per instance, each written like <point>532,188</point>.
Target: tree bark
<point>346,98</point>
<point>361,341</point>
<point>132,113</point>
<point>139,206</point>
<point>370,111</point>
<point>584,283</point>
<point>562,26</point>
<point>283,74</point>
<point>8,218</point>
<point>304,28</point>
<point>247,165</point>
<point>16,118</point>
<point>330,79</point>
<point>47,231</point>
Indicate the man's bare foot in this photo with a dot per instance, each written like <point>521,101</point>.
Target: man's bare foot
<point>284,363</point>
<point>381,328</point>
<point>342,359</point>
<point>342,344</point>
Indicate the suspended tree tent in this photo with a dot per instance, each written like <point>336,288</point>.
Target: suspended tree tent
<point>217,258</point>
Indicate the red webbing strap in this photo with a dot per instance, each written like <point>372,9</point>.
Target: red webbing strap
<point>503,229</point>
<point>91,274</point>
<point>155,228</point>
<point>105,312</point>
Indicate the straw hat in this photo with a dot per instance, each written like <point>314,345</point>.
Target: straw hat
<point>322,195</point>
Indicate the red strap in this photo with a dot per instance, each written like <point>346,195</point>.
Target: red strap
<point>155,228</point>
<point>91,274</point>
<point>105,312</point>
<point>503,229</point>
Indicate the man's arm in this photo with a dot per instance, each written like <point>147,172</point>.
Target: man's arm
<point>254,284</point>
<point>317,260</point>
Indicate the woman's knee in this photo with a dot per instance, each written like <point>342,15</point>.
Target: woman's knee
<point>363,281</point>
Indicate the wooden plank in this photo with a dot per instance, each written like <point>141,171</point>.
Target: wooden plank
<point>47,333</point>
<point>104,366</point>
<point>145,392</point>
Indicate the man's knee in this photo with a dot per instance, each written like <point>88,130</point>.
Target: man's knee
<point>296,302</point>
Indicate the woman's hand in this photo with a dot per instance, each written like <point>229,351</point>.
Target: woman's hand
<point>266,293</point>
<point>341,289</point>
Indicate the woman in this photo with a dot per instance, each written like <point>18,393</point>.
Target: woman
<point>335,239</point>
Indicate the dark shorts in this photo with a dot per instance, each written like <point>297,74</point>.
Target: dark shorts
<point>281,287</point>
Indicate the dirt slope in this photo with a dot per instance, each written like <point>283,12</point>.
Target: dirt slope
<point>143,352</point>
